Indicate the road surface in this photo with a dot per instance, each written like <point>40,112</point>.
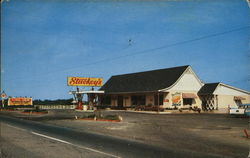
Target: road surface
<point>103,145</point>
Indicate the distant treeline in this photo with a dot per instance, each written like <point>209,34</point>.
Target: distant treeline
<point>53,102</point>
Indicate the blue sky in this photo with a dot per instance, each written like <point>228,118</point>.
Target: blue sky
<point>45,41</point>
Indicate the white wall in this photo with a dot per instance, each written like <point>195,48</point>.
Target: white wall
<point>225,101</point>
<point>167,100</point>
<point>226,96</point>
<point>188,82</point>
<point>223,90</point>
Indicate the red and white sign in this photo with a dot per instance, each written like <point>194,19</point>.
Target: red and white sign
<point>3,95</point>
<point>20,101</point>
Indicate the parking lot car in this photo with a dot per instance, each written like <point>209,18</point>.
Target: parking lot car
<point>237,111</point>
<point>247,109</point>
<point>243,109</point>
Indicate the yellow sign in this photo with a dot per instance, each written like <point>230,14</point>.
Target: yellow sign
<point>84,81</point>
<point>176,99</point>
<point>20,101</point>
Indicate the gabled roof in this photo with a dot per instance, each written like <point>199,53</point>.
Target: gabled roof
<point>148,81</point>
<point>234,88</point>
<point>208,88</point>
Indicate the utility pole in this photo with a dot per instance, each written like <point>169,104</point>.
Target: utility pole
<point>1,65</point>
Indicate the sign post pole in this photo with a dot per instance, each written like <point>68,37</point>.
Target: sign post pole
<point>3,102</point>
<point>3,95</point>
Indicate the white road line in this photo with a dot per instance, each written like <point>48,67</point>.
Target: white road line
<point>83,147</point>
<point>59,140</point>
<point>62,141</point>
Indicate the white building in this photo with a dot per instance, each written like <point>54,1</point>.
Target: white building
<point>220,97</point>
<point>177,87</point>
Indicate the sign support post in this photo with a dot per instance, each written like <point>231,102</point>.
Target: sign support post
<point>3,95</point>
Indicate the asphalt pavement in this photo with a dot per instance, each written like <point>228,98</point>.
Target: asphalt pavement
<point>108,146</point>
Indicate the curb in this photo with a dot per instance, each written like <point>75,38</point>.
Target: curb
<point>92,119</point>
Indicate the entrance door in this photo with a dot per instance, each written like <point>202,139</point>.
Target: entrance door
<point>120,101</point>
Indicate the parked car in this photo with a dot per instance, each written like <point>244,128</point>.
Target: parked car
<point>243,109</point>
<point>247,109</point>
<point>236,111</point>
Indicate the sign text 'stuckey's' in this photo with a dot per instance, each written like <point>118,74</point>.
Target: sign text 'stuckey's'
<point>84,81</point>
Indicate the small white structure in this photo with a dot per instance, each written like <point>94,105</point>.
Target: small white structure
<point>222,97</point>
<point>92,98</point>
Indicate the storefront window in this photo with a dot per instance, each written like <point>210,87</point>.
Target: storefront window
<point>160,99</point>
<point>107,100</point>
<point>187,101</point>
<point>138,100</point>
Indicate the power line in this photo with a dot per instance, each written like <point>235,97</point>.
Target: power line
<point>163,47</point>
<point>152,50</point>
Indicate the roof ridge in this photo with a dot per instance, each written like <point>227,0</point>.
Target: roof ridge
<point>152,70</point>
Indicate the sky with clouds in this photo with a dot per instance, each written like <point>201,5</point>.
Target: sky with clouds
<point>45,41</point>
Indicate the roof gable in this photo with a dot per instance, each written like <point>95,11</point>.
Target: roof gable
<point>212,88</point>
<point>147,81</point>
<point>187,81</point>
<point>208,88</point>
<point>224,89</point>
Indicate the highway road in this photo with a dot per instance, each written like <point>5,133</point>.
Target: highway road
<point>106,146</point>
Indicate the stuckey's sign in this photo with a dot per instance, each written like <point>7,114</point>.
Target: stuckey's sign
<point>84,81</point>
<point>20,101</point>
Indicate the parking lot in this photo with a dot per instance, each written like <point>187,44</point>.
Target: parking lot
<point>219,134</point>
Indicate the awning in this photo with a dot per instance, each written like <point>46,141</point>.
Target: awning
<point>189,95</point>
<point>239,98</point>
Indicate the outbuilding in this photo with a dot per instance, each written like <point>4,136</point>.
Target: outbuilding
<point>221,97</point>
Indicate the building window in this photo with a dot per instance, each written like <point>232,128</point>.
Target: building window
<point>120,101</point>
<point>187,101</point>
<point>133,100</point>
<point>107,100</point>
<point>160,99</point>
<point>138,100</point>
